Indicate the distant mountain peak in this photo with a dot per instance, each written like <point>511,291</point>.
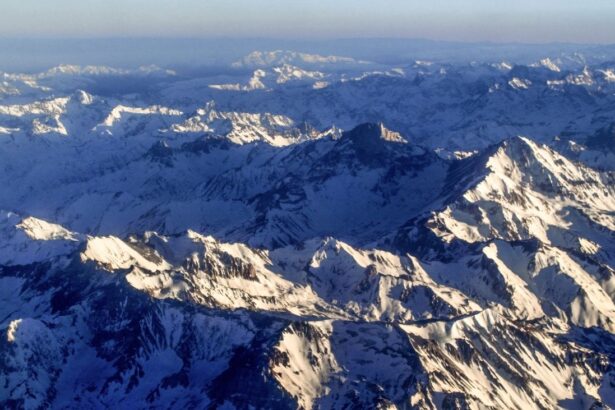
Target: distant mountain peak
<point>369,133</point>
<point>83,97</point>
<point>95,70</point>
<point>263,59</point>
<point>548,64</point>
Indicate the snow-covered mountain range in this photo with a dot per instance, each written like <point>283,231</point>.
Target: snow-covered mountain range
<point>309,232</point>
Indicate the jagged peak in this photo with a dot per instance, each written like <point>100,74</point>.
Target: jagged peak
<point>116,113</point>
<point>27,240</point>
<point>526,154</point>
<point>179,247</point>
<point>548,64</point>
<point>326,244</point>
<point>520,189</point>
<point>41,230</point>
<point>83,97</point>
<point>35,229</point>
<point>520,161</point>
<point>113,253</point>
<point>518,151</point>
<point>517,143</point>
<point>374,132</point>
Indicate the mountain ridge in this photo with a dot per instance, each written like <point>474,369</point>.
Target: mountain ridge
<point>316,237</point>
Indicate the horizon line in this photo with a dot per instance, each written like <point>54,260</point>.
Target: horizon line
<point>305,40</point>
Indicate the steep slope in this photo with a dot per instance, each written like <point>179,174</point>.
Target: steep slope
<point>523,227</point>
<point>487,361</point>
<point>249,192</point>
<point>523,190</point>
<point>138,322</point>
<point>334,187</point>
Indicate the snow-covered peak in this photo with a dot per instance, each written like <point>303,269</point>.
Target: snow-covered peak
<point>255,82</point>
<point>68,69</point>
<point>584,78</point>
<point>609,75</point>
<point>113,253</point>
<point>118,115</point>
<point>281,57</point>
<point>548,64</point>
<point>29,240</point>
<point>526,190</point>
<point>84,97</point>
<point>41,230</point>
<point>275,78</point>
<point>520,83</point>
<point>287,73</point>
<point>49,107</point>
<point>244,127</point>
<point>93,70</point>
<point>504,66</point>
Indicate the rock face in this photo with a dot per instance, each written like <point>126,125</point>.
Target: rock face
<point>172,255</point>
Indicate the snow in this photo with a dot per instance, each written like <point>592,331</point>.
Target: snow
<point>114,253</point>
<point>40,230</point>
<point>50,107</point>
<point>93,70</point>
<point>254,83</point>
<point>117,112</point>
<point>585,78</point>
<point>171,248</point>
<point>56,126</point>
<point>84,97</point>
<point>520,83</point>
<point>287,73</point>
<point>609,75</point>
<point>281,57</point>
<point>12,330</point>
<point>549,64</point>
<point>29,240</point>
<point>301,377</point>
<point>4,130</point>
<point>505,362</point>
<point>243,127</point>
<point>525,180</point>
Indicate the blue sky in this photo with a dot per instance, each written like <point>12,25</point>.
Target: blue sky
<point>464,20</point>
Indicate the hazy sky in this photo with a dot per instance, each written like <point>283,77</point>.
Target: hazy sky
<point>464,20</point>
